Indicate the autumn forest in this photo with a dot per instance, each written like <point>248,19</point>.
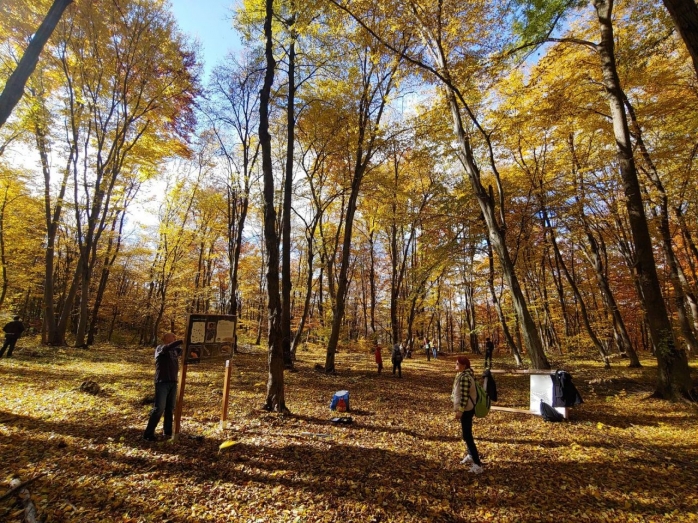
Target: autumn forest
<point>518,170</point>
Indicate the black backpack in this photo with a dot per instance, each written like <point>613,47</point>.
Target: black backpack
<point>549,413</point>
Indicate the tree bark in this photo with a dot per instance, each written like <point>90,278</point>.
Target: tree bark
<point>286,283</point>
<point>684,13</point>
<point>14,88</point>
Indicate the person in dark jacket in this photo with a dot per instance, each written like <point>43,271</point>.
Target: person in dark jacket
<point>396,360</point>
<point>166,371</point>
<point>13,330</point>
<point>489,349</point>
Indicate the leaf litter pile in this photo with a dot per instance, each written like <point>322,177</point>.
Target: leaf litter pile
<point>73,419</point>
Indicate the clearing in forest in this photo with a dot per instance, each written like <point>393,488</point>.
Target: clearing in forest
<point>621,457</point>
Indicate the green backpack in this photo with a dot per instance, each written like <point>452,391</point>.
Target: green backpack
<point>482,403</point>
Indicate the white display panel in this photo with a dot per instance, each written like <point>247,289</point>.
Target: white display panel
<point>542,389</point>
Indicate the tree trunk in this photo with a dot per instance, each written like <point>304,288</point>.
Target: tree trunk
<point>109,259</point>
<point>684,13</point>
<point>286,283</point>
<point>598,262</point>
<point>52,219</point>
<point>673,379</point>
<point>14,88</point>
<point>308,294</point>
<point>275,399</point>
<point>3,261</point>
<point>498,307</point>
<point>372,279</point>
<point>365,149</point>
<point>531,338</point>
<point>680,300</point>
<point>573,285</point>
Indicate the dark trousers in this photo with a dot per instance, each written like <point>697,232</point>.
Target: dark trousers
<point>397,365</point>
<point>488,359</point>
<point>9,342</point>
<point>165,400</point>
<point>466,423</point>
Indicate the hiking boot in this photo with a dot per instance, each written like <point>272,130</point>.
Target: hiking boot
<point>148,437</point>
<point>476,469</point>
<point>467,459</point>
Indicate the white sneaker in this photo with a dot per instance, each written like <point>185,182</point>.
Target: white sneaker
<point>476,469</point>
<point>467,459</point>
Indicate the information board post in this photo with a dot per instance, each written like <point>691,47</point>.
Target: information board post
<point>180,400</point>
<point>180,386</point>
<point>226,395</point>
<point>207,336</point>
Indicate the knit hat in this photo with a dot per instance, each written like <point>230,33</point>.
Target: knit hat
<point>462,360</point>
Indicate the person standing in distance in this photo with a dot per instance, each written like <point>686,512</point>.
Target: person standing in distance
<point>489,349</point>
<point>166,370</point>
<point>396,360</point>
<point>13,330</point>
<point>378,356</point>
<point>463,397</point>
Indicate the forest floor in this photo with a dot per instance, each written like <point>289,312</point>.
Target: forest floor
<point>621,457</point>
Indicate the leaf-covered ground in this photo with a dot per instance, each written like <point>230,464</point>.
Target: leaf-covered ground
<point>621,457</point>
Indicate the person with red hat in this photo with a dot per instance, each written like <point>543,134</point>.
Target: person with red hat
<point>463,397</point>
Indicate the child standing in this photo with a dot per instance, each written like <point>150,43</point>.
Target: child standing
<point>379,358</point>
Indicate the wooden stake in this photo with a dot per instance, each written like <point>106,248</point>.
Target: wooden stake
<point>180,386</point>
<point>226,395</point>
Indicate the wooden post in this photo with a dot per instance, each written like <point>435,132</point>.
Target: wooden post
<point>180,386</point>
<point>226,395</point>
<point>180,400</point>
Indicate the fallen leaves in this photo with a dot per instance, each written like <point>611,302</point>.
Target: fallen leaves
<point>628,459</point>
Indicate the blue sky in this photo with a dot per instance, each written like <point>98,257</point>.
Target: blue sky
<point>209,21</point>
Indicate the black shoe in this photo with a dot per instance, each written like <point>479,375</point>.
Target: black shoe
<point>148,437</point>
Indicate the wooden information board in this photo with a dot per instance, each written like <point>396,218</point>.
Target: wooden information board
<point>209,336</point>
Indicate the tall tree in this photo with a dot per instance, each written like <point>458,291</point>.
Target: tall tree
<point>234,113</point>
<point>275,399</point>
<point>130,82</point>
<point>376,77</point>
<point>673,379</point>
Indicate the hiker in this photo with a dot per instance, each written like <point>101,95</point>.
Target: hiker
<point>463,397</point>
<point>166,370</point>
<point>397,360</point>
<point>427,348</point>
<point>379,358</point>
<point>489,349</point>
<point>13,330</point>
<point>434,348</point>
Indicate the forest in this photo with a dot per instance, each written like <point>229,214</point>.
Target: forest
<point>359,173</point>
